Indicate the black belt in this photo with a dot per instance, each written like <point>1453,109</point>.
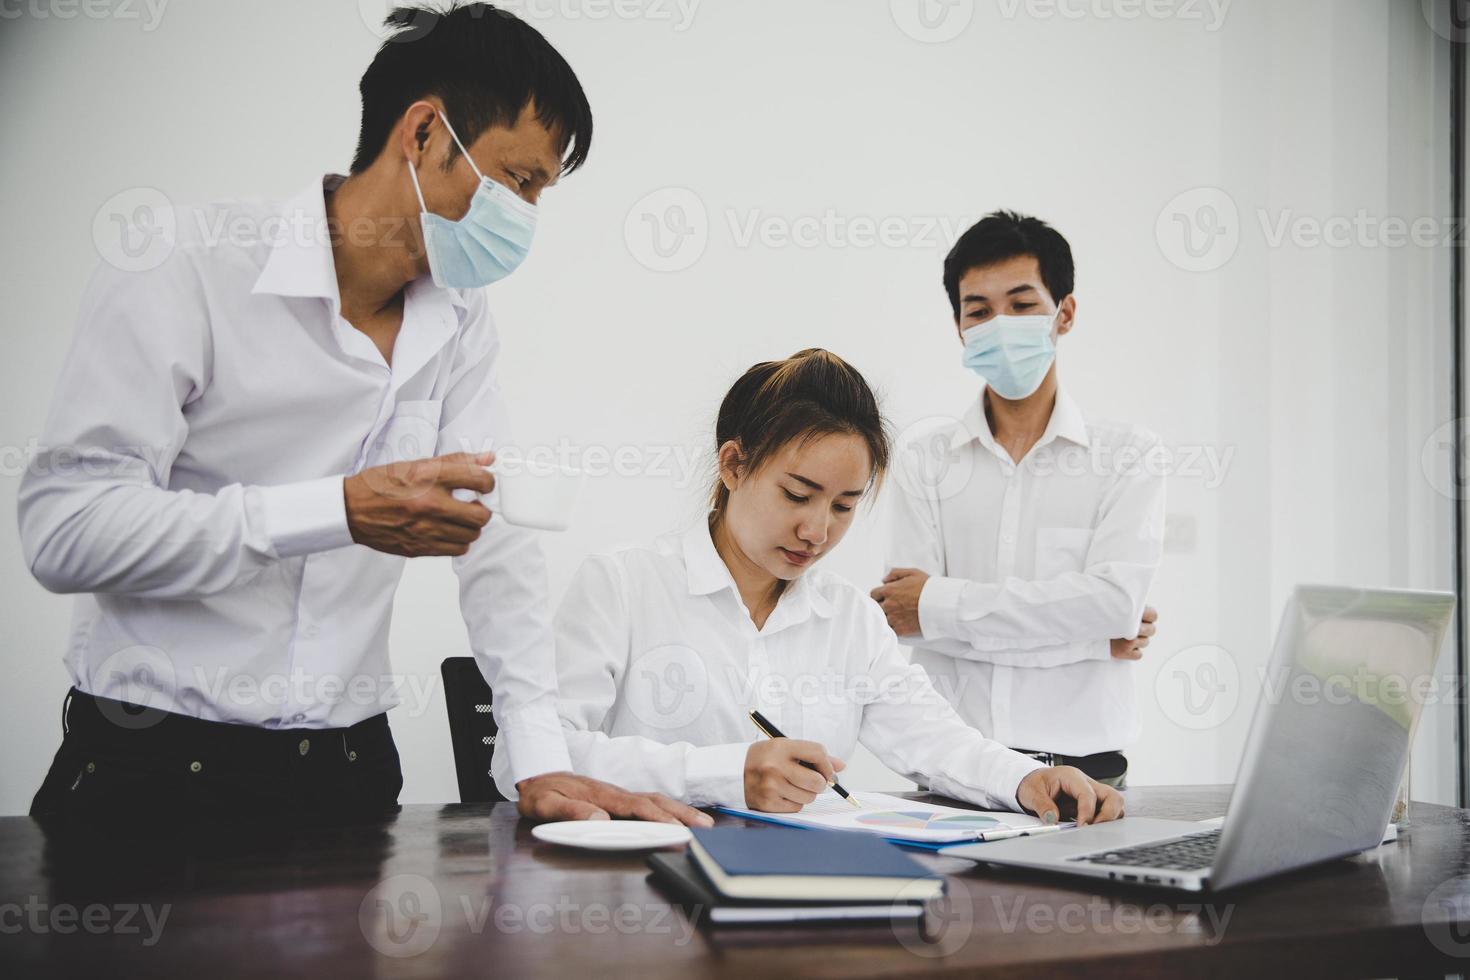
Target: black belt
<point>1100,765</point>
<point>120,729</point>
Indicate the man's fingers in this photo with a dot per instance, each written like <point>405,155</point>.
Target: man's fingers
<point>1079,787</point>
<point>1039,801</point>
<point>1147,629</point>
<point>1150,614</point>
<point>555,806</point>
<point>643,808</point>
<point>796,792</point>
<point>899,573</point>
<point>466,475</point>
<point>816,754</point>
<point>474,514</point>
<point>805,779</point>
<point>1110,805</point>
<point>465,459</point>
<point>686,815</point>
<point>837,764</point>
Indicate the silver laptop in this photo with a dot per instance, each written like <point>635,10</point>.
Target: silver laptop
<point>1327,748</point>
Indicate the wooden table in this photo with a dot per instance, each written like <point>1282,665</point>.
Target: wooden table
<point>464,890</point>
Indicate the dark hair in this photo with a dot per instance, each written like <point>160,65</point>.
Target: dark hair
<point>811,393</point>
<point>1004,235</point>
<point>485,65</point>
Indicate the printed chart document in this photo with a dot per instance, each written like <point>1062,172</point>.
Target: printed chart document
<point>905,821</point>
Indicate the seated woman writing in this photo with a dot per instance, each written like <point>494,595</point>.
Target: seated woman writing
<point>663,651</point>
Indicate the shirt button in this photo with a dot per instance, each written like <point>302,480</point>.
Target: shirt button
<point>298,718</point>
<point>305,746</point>
<point>1008,538</point>
<point>310,630</point>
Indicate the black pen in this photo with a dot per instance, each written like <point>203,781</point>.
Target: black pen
<point>771,731</point>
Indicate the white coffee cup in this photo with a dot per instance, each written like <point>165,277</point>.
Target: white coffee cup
<point>537,495</point>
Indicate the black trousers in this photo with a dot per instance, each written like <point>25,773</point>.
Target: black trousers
<point>141,768</point>
<point>1110,768</point>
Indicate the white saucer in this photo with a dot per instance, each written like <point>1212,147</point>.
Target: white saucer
<point>612,835</point>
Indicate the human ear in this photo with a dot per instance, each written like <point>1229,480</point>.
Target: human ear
<point>1066,316</point>
<point>731,463</point>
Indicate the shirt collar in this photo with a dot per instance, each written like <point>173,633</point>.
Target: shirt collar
<point>707,574</point>
<point>300,261</point>
<point>1066,422</point>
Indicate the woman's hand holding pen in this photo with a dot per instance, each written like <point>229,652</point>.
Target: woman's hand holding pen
<point>777,782</point>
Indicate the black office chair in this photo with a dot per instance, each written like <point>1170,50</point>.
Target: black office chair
<point>472,728</point>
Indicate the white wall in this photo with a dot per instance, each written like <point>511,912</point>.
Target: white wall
<point>1321,369</point>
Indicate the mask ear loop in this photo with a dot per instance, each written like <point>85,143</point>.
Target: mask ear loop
<point>413,171</point>
<point>457,143</point>
<point>414,174</point>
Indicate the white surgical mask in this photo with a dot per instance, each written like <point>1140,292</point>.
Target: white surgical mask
<point>1012,353</point>
<point>484,246</point>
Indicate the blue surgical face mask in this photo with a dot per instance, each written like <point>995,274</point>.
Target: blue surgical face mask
<point>484,246</point>
<point>1012,353</point>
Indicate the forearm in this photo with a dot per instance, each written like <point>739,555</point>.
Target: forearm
<point>708,775</point>
<point>917,733</point>
<point>120,534</point>
<point>1054,656</point>
<point>1016,615</point>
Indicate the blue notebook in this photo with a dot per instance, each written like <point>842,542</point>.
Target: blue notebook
<point>782,864</point>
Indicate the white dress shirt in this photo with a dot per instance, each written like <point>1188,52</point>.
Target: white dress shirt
<point>659,663</point>
<point>189,486</point>
<point>1036,566</point>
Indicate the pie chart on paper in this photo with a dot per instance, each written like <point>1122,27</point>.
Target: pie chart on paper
<point>926,820</point>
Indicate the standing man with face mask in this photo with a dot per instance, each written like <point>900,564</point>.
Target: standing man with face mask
<point>1025,538</point>
<point>248,439</point>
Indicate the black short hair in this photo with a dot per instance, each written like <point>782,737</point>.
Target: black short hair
<point>1005,235</point>
<point>484,64</point>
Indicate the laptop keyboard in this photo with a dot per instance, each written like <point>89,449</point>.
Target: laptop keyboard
<point>1192,853</point>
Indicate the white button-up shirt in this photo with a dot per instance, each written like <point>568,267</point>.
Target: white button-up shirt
<point>1036,566</point>
<point>189,484</point>
<point>659,664</point>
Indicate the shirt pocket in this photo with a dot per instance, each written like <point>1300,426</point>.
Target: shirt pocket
<point>412,432</point>
<point>1060,550</point>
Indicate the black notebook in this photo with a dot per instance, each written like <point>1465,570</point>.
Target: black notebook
<point>780,864</point>
<point>683,882</point>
